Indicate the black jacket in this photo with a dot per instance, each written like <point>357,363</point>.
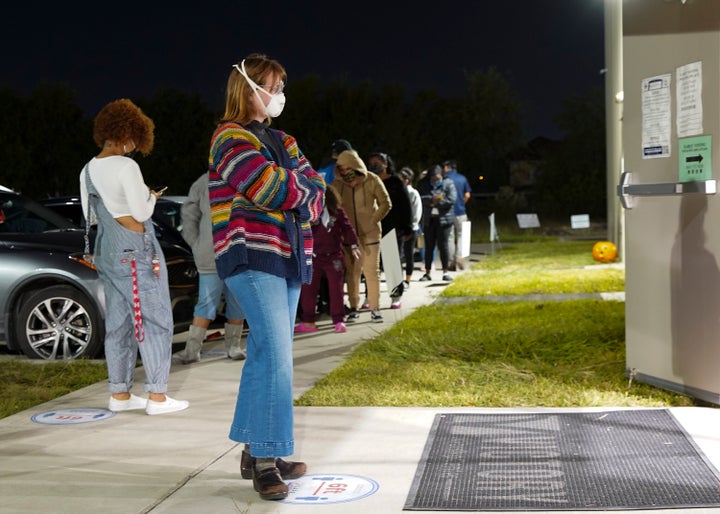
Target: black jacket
<point>400,215</point>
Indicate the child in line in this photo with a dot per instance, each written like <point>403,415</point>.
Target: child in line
<point>330,233</point>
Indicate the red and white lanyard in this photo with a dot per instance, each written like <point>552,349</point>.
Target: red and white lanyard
<point>138,321</point>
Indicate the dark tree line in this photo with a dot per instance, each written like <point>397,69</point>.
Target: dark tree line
<point>45,138</point>
<point>574,175</point>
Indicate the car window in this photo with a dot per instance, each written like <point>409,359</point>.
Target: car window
<point>22,215</point>
<point>169,213</point>
<point>73,212</point>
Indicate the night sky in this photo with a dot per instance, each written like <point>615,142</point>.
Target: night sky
<point>546,49</point>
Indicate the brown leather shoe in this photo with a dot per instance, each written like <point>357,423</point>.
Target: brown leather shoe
<point>289,470</point>
<point>269,484</point>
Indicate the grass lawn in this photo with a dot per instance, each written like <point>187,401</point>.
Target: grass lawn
<point>486,353</point>
<point>30,383</point>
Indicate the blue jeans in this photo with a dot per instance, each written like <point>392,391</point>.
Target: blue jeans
<point>211,288</point>
<point>264,409</point>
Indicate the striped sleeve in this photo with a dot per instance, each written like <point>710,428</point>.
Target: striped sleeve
<point>243,163</point>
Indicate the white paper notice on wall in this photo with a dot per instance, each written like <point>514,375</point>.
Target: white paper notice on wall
<point>580,221</point>
<point>656,116</point>
<point>689,118</point>
<point>528,220</point>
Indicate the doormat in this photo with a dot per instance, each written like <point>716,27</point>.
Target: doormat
<point>610,460</point>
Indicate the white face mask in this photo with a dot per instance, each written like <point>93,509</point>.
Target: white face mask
<point>277,102</point>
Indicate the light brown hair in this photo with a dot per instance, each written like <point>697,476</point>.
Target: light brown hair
<point>239,93</point>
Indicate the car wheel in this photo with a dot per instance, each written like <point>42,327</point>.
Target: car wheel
<point>59,322</point>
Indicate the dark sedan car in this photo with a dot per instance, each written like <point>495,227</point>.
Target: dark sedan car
<point>166,217</point>
<point>52,302</point>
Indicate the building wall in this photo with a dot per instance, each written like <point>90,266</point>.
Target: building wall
<point>672,242</point>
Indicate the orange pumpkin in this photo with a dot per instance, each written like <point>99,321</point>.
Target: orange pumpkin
<point>604,251</point>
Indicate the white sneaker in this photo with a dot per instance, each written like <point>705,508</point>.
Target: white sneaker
<point>134,402</point>
<point>169,405</point>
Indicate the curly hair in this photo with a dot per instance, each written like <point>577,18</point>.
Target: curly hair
<point>239,93</point>
<point>122,120</point>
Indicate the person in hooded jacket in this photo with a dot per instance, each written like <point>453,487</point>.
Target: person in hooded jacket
<point>327,171</point>
<point>366,201</point>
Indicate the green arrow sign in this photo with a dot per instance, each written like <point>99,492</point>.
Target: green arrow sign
<point>695,158</point>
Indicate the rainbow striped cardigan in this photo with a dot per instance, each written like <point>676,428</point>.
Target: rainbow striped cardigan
<point>262,211</point>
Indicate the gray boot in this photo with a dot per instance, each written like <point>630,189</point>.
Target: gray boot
<point>233,341</point>
<point>191,353</point>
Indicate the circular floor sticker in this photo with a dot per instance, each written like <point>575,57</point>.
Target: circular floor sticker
<point>318,489</point>
<point>72,416</point>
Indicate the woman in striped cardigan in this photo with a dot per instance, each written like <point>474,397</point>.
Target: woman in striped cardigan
<point>264,196</point>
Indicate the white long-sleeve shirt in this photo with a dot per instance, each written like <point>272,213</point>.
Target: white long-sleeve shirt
<point>416,205</point>
<point>121,186</point>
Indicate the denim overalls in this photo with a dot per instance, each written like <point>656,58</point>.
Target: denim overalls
<point>116,248</point>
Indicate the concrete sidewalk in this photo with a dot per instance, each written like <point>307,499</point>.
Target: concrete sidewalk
<point>184,462</point>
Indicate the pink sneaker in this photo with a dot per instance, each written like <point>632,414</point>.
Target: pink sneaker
<point>340,327</point>
<point>365,306</point>
<point>396,305</point>
<point>302,327</point>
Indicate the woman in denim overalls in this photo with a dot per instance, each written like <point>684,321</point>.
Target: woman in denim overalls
<point>129,260</point>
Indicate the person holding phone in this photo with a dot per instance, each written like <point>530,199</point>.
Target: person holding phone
<point>129,260</point>
<point>438,199</point>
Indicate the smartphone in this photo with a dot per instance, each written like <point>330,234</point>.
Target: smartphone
<point>159,189</point>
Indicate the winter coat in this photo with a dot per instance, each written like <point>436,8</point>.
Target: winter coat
<point>367,203</point>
